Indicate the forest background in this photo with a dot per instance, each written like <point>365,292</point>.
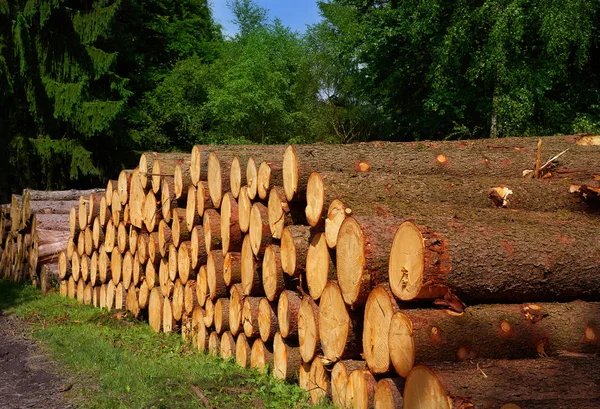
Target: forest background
<point>85,85</point>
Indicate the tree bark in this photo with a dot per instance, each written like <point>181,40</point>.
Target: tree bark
<point>60,195</point>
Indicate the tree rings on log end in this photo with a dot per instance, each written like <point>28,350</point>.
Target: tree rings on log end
<point>308,328</point>
<point>387,394</point>
<point>215,184</point>
<point>290,172</point>
<point>336,330</point>
<point>315,198</point>
<point>423,390</point>
<point>360,390</point>
<point>401,344</point>
<point>353,280</point>
<point>407,262</point>
<point>379,310</point>
<point>336,214</point>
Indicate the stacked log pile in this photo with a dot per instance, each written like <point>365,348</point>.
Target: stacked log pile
<point>378,274</point>
<point>33,231</point>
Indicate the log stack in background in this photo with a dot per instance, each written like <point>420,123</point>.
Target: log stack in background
<point>34,229</point>
<point>376,274</point>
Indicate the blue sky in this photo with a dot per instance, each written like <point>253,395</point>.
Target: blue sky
<point>295,14</point>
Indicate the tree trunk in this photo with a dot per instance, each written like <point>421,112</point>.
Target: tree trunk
<point>244,209</point>
<point>379,310</point>
<point>288,308</point>
<point>250,317</point>
<point>281,214</point>
<point>222,315</point>
<point>251,276</point>
<point>59,195</point>
<point>212,230</point>
<point>272,273</point>
<point>319,266</point>
<point>308,329</point>
<point>242,351</point>
<point>286,359</point>
<point>227,345</point>
<point>295,241</point>
<point>214,271</point>
<point>360,390</point>
<point>232,269</point>
<point>388,393</point>
<point>236,304</point>
<point>319,382</point>
<point>267,320</point>
<point>339,380</point>
<point>231,233</point>
<point>259,232</point>
<point>214,344</point>
<point>261,355</point>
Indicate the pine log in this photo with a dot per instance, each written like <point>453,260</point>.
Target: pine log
<point>259,231</point>
<point>202,337</point>
<point>73,222</point>
<point>281,213</point>
<point>214,344</point>
<point>251,276</point>
<point>319,266</point>
<point>294,247</point>
<point>244,209</point>
<point>54,222</point>
<point>308,329</point>
<point>519,256</point>
<point>124,184</point>
<point>111,289</point>
<point>122,238</point>
<point>52,206</point>
<point>75,267</point>
<point>116,266</point>
<point>143,296</point>
<point>272,274</point>
<point>388,393</point>
<point>137,196</point>
<point>151,274</point>
<point>261,356</point>
<point>203,200</point>
<point>269,175</point>
<point>339,380</point>
<point>178,300</point>
<point>197,322</point>
<point>506,331</point>
<point>179,230</point>
<point>340,330</point>
<point>84,263</point>
<point>191,214</point>
<point>116,209</point>
<point>164,281</point>
<point>150,212</point>
<point>202,286</point>
<point>64,265</point>
<point>212,230</point>
<point>360,390</point>
<point>235,177</point>
<point>168,202</point>
<point>97,233</point>
<point>146,164</point>
<point>182,179</point>
<point>288,308</point>
<point>379,309</point>
<point>232,268</point>
<point>401,344</point>
<point>304,376</point>
<point>166,168</point>
<point>59,195</point>
<point>214,272</point>
<point>231,234</point>
<point>169,324</point>
<point>190,297</point>
<point>221,315</point>
<point>236,304</point>
<point>198,248</point>
<point>184,262</point>
<point>154,251</point>
<point>173,260</point>
<point>250,317</point>
<point>218,176</point>
<point>227,345</point>
<point>105,212</point>
<point>267,320</point>
<point>286,359</point>
<point>48,274</point>
<point>137,273</point>
<point>81,291</point>
<point>319,382</point>
<point>242,351</point>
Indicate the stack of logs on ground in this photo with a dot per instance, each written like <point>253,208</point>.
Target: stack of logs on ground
<point>34,229</point>
<point>415,275</point>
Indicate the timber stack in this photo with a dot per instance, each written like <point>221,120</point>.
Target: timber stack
<point>34,229</point>
<point>415,275</point>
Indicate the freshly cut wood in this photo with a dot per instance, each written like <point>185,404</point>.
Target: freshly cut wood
<point>212,230</point>
<point>308,329</point>
<point>87,293</point>
<point>97,233</point>
<point>235,177</point>
<point>288,308</point>
<point>165,283</point>
<point>304,376</point>
<point>360,390</point>
<point>269,175</point>
<point>122,238</point>
<point>84,265</point>
<point>110,236</point>
<point>154,249</point>
<point>510,331</point>
<point>105,212</point>
<point>232,268</point>
<point>251,277</point>
<point>261,355</point>
<point>379,310</point>
<point>272,274</point>
<point>166,168</point>
<point>116,209</point>
<point>242,351</point>
<point>172,260</point>
<point>336,214</point>
<point>319,382</point>
<point>124,183</point>
<point>80,291</point>
<point>339,380</point>
<point>267,320</point>
<point>72,289</point>
<point>182,179</point>
<point>209,313</point>
<point>221,315</point>
<point>192,218</point>
<point>231,234</point>
<point>111,187</point>
<point>187,333</point>
<point>424,390</point>
<point>214,271</point>
<point>151,274</point>
<point>104,273</point>
<point>168,202</point>
<point>203,201</point>
<point>339,329</point>
<point>286,359</point>
<point>178,300</point>
<point>236,304</point>
<point>202,286</point>
<point>143,296</point>
<point>520,256</point>
<point>150,212</point>
<point>278,208</point>
<point>401,344</point>
<point>531,383</point>
<point>179,230</point>
<point>197,320</point>
<point>214,344</point>
<point>137,196</point>
<point>294,248</point>
<point>120,297</point>
<point>75,267</point>
<point>218,177</point>
<point>116,266</point>
<point>73,222</point>
<point>168,322</point>
<point>362,254</point>
<point>93,206</point>
<point>387,393</point>
<point>259,231</point>
<point>138,270</point>
<point>110,295</point>
<point>198,248</point>
<point>64,266</point>
<point>227,345</point>
<point>190,297</point>
<point>142,247</point>
<point>202,337</point>
<point>244,209</point>
<point>250,316</point>
<point>59,195</point>
<point>146,165</point>
<point>319,266</point>
<point>184,262</point>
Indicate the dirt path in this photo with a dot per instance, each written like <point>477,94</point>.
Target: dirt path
<point>27,378</point>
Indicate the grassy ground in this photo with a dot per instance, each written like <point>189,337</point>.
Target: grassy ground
<point>120,363</point>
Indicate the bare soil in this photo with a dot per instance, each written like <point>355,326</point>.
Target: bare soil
<point>28,379</point>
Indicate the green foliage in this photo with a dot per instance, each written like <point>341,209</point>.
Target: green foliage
<point>122,363</point>
<point>248,15</point>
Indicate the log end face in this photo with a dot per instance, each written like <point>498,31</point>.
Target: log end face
<point>235,177</point>
<point>215,187</point>
<point>195,165</point>
<point>334,323</point>
<point>351,261</point>
<point>290,172</point>
<point>335,216</point>
<point>407,262</point>
<point>423,390</point>
<point>317,265</point>
<point>225,222</point>
<point>401,344</point>
<point>315,198</point>
<point>252,178</point>
<point>288,252</point>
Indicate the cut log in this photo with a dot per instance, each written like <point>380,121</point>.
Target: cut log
<point>520,256</point>
<point>506,331</point>
<point>52,206</point>
<point>214,272</point>
<point>304,376</point>
<point>105,213</point>
<point>235,177</point>
<point>250,317</point>
<point>137,197</point>
<point>339,380</point>
<point>242,351</point>
<point>151,274</point>
<point>218,177</point>
<point>122,238</point>
<point>143,296</point>
<point>272,274</point>
<point>261,356</point>
<point>388,395</point>
<point>178,300</point>
<point>294,247</point>
<point>362,252</point>
<point>251,277</point>
<point>339,329</point>
<point>172,260</point>
<point>379,310</point>
<point>127,278</point>
<point>269,175</point>
<point>231,234</point>
<point>54,222</point>
<point>279,212</point>
<point>267,320</point>
<point>150,212</point>
<point>236,304</point>
<point>286,359</point>
<point>214,344</point>
<point>165,283</point>
<point>221,315</point>
<point>319,266</point>
<point>360,390</point>
<point>259,231</point>
<point>232,268</point>
<point>168,321</point>
<point>73,222</point>
<point>401,344</point>
<point>308,329</point>
<point>59,195</point>
<point>182,179</point>
<point>116,266</point>
<point>168,202</point>
<point>191,214</point>
<point>116,209</point>
<point>165,167</point>
<point>184,262</point>
<point>288,308</point>
<point>319,382</point>
<point>202,337</point>
<point>179,230</point>
<point>111,289</point>
<point>244,209</point>
<point>203,201</point>
<point>336,214</point>
<point>227,345</point>
<point>154,250</point>
<point>198,248</point>
<point>190,297</point>
<point>202,286</point>
<point>64,266</point>
<point>212,230</point>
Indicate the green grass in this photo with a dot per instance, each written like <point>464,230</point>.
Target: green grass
<point>121,363</point>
